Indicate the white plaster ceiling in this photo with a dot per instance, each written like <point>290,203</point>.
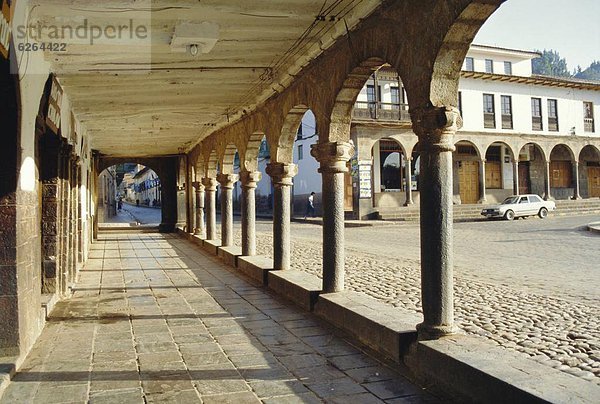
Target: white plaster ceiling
<point>139,98</point>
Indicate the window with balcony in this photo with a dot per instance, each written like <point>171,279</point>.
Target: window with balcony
<point>536,114</point>
<point>506,107</point>
<point>508,68</point>
<point>489,115</point>
<point>489,66</point>
<point>588,116</point>
<point>552,116</point>
<point>469,64</point>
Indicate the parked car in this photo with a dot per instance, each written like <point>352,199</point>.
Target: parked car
<point>520,206</point>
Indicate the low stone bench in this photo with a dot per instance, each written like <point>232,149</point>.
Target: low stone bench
<point>256,267</point>
<point>300,287</point>
<point>211,246</point>
<point>384,328</point>
<point>479,371</point>
<point>229,255</point>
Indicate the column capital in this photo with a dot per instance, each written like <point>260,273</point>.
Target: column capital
<point>209,183</point>
<point>227,180</point>
<point>249,179</point>
<point>435,127</point>
<point>332,156</point>
<point>198,186</point>
<point>282,173</point>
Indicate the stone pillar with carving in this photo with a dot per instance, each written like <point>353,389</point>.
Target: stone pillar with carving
<point>199,228</point>
<point>281,176</point>
<point>482,196</point>
<point>227,182</point>
<point>516,176</point>
<point>333,158</point>
<point>435,127</point>
<point>408,171</point>
<point>249,180</point>
<point>210,189</point>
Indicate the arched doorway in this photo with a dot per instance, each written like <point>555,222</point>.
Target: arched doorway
<point>467,166</point>
<point>390,170</point>
<point>532,170</point>
<point>129,194</point>
<point>499,172</point>
<point>561,172</point>
<point>589,174</point>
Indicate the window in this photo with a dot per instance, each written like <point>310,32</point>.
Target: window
<point>508,68</point>
<point>506,106</point>
<point>469,64</point>
<point>299,133</point>
<point>460,103</point>
<point>588,116</point>
<point>489,118</point>
<point>552,116</point>
<point>523,200</point>
<point>489,66</point>
<point>536,114</point>
<point>534,198</point>
<point>395,93</point>
<point>300,152</point>
<point>370,93</point>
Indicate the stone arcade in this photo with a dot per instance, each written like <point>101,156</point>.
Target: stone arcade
<point>67,116</point>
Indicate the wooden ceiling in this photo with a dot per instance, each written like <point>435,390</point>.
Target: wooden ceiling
<point>137,97</point>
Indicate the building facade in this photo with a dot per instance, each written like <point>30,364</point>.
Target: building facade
<point>521,133</point>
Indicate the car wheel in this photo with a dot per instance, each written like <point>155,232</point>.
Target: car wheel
<point>509,215</point>
<point>543,213</point>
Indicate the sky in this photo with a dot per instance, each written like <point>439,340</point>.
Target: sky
<point>571,27</point>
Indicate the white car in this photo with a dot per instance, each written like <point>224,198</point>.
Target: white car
<point>520,206</point>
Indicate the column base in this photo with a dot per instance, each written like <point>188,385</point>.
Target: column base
<point>408,203</point>
<point>576,197</point>
<point>429,332</point>
<point>482,201</point>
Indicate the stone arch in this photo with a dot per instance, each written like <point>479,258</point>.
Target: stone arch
<point>249,157</point>
<point>211,163</point>
<point>532,168</point>
<point>590,150</point>
<point>537,147</point>
<point>471,143</point>
<point>283,152</point>
<point>507,145</point>
<point>453,50</point>
<point>227,159</point>
<point>566,149</point>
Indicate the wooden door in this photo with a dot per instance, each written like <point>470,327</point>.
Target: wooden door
<point>561,174</point>
<point>348,191</point>
<point>493,175</point>
<point>524,180</point>
<point>594,181</point>
<point>468,176</point>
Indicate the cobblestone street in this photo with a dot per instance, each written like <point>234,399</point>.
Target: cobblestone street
<point>153,319</point>
<point>529,285</point>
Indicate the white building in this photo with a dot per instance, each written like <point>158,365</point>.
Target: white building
<point>507,111</point>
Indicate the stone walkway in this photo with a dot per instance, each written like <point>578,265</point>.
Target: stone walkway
<point>153,319</point>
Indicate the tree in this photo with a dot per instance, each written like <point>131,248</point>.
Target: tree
<point>550,64</point>
<point>591,73</point>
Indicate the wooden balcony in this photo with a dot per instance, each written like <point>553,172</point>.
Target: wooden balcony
<point>381,111</point>
<point>588,125</point>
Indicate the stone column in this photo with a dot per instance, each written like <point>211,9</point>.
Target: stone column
<point>210,188</point>
<point>547,195</point>
<point>516,176</point>
<point>482,196</point>
<point>281,175</point>
<point>199,228</point>
<point>333,158</point>
<point>249,181</point>
<point>409,199</point>
<point>576,194</point>
<point>436,128</point>
<point>227,182</point>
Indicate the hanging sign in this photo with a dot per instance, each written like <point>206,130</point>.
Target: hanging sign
<point>5,28</point>
<point>54,104</point>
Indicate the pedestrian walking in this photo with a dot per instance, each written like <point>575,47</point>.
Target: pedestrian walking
<point>310,206</point>
<point>119,204</point>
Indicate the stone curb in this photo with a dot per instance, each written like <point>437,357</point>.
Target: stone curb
<point>594,227</point>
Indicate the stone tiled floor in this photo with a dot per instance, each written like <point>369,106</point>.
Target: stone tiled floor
<point>153,319</point>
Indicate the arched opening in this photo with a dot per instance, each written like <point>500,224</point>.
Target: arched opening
<point>499,172</point>
<point>561,172</point>
<point>532,169</point>
<point>467,173</point>
<point>589,173</point>
<point>129,195</point>
<point>390,171</point>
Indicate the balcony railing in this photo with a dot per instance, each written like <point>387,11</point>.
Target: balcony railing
<point>489,120</point>
<point>384,111</point>
<point>536,123</point>
<point>553,124</point>
<point>507,122</point>
<point>588,124</point>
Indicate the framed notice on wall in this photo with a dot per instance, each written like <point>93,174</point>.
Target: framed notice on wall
<point>54,103</point>
<point>364,179</point>
<point>5,28</point>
